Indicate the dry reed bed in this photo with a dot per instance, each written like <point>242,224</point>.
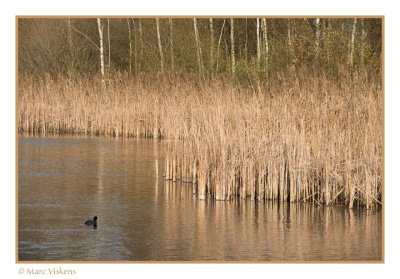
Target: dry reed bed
<point>302,137</point>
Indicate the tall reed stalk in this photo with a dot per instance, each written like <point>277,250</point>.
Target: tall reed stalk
<point>299,137</point>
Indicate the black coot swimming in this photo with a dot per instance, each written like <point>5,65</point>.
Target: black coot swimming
<point>92,222</point>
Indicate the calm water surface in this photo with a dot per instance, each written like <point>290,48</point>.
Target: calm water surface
<point>64,181</point>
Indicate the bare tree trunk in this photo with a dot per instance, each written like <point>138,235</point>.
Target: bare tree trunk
<point>363,37</point>
<point>130,46</point>
<point>258,44</point>
<point>353,34</point>
<point>109,47</point>
<point>101,49</point>
<point>219,41</point>
<point>289,40</point>
<point>233,47</point>
<point>70,49</point>
<point>317,35</point>
<point>198,46</point>
<point>135,46</point>
<point>212,45</point>
<point>246,45</point>
<point>172,45</point>
<point>140,44</point>
<point>265,36</point>
<point>160,45</point>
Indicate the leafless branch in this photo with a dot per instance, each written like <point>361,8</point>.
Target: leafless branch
<point>79,32</point>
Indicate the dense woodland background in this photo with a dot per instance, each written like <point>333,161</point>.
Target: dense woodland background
<point>243,46</point>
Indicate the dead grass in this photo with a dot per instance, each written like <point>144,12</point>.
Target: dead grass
<point>301,137</point>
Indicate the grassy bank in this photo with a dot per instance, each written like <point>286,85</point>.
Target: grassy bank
<point>298,137</point>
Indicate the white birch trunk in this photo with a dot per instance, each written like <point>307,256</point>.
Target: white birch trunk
<point>289,40</point>
<point>140,44</point>
<point>258,44</point>
<point>212,45</point>
<point>233,47</point>
<point>135,46</point>
<point>101,49</point>
<point>198,46</point>
<point>130,46</point>
<point>353,34</point>
<point>246,46</point>
<point>70,35</point>
<point>363,37</point>
<point>70,49</point>
<point>109,46</point>
<point>265,36</point>
<point>317,35</point>
<point>160,45</point>
<point>172,45</point>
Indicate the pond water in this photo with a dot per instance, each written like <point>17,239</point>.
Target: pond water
<point>64,181</point>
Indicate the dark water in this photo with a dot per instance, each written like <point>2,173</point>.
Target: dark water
<point>64,181</point>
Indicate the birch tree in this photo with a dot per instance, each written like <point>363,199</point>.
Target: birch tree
<point>130,46</point>
<point>198,46</point>
<point>140,44</point>
<point>289,35</point>
<point>233,47</point>
<point>109,46</point>
<point>317,35</point>
<point>211,45</point>
<point>70,49</point>
<point>135,46</point>
<point>246,45</point>
<point>258,43</point>
<point>265,37</point>
<point>353,34</point>
<point>160,45</point>
<point>101,49</point>
<point>289,41</point>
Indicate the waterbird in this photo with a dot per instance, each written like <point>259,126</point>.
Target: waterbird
<point>92,222</point>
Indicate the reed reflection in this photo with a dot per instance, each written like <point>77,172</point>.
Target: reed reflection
<point>65,180</point>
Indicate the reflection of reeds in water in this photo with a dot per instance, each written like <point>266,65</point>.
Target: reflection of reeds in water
<point>270,230</point>
<point>302,137</point>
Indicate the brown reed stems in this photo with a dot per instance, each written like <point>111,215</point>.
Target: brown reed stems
<point>300,137</point>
